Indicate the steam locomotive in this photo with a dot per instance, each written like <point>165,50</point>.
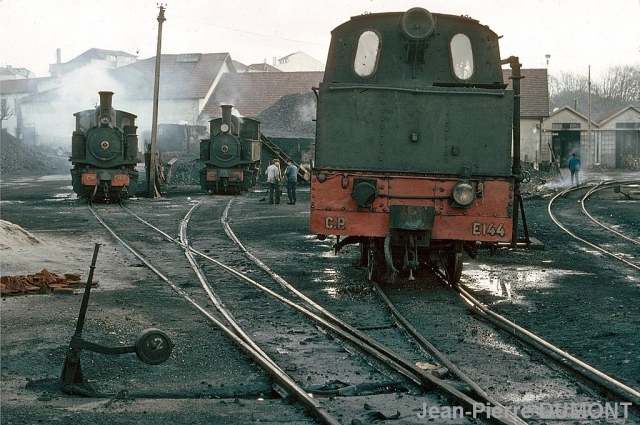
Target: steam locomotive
<point>104,152</point>
<point>414,158</point>
<point>231,155</point>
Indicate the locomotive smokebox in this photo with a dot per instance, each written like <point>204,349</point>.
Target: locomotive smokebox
<point>106,114</point>
<point>226,118</point>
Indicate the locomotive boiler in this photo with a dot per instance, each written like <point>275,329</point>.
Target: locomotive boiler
<point>231,155</point>
<point>414,158</point>
<point>104,152</point>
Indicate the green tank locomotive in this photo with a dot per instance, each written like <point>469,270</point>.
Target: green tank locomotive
<point>413,156</point>
<point>231,155</point>
<point>104,152</point>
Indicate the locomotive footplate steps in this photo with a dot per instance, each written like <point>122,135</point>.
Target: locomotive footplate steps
<point>152,347</point>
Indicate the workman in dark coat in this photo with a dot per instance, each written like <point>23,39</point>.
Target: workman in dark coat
<point>291,174</point>
<point>574,167</point>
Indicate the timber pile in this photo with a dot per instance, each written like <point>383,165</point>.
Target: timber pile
<point>44,282</point>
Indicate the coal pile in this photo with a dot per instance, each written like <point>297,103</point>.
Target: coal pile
<point>292,116</point>
<point>19,159</point>
<point>184,172</point>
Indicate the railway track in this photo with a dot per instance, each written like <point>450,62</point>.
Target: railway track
<point>204,263</point>
<point>334,325</point>
<point>611,242</point>
<point>427,347</point>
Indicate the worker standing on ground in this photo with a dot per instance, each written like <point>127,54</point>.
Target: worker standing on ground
<point>273,180</point>
<point>574,167</point>
<point>291,174</point>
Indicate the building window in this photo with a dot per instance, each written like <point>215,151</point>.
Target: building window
<point>367,54</point>
<point>630,125</point>
<point>565,125</point>
<point>462,56</point>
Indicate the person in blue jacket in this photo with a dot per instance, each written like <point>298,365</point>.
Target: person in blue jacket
<point>574,167</point>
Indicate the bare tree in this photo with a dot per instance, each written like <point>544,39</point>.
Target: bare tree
<point>568,90</point>
<point>6,111</point>
<point>618,87</point>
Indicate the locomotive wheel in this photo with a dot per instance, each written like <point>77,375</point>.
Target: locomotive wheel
<point>453,267</point>
<point>364,254</point>
<point>375,264</point>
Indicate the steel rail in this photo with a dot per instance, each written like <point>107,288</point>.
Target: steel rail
<point>573,235</point>
<point>585,370</point>
<point>596,221</point>
<point>432,350</point>
<point>308,402</point>
<point>346,331</point>
<point>379,352</point>
<point>426,378</point>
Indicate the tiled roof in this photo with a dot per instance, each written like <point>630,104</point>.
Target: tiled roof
<point>24,85</point>
<point>184,76</point>
<point>240,67</point>
<point>100,54</point>
<point>12,73</point>
<point>534,90</point>
<point>253,92</point>
<point>261,67</point>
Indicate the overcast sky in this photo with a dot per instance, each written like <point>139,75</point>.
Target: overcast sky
<point>576,33</point>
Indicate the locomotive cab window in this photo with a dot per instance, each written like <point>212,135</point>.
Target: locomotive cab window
<point>462,57</point>
<point>367,54</point>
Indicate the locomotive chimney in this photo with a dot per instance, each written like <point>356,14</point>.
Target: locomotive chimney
<point>106,113</point>
<point>226,115</point>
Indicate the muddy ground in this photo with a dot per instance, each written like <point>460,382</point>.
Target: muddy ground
<point>586,304</point>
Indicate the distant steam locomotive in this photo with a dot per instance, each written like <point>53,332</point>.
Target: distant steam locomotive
<point>231,155</point>
<point>414,158</point>
<point>104,152</point>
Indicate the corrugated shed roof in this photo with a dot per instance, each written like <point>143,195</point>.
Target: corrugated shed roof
<point>253,92</point>
<point>534,90</point>
<point>184,76</point>
<point>612,114</point>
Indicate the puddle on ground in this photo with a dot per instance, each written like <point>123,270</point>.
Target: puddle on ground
<point>328,276</point>
<point>507,283</point>
<point>62,197</point>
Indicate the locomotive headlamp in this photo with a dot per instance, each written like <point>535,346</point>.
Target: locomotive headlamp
<point>224,127</point>
<point>418,23</point>
<point>364,192</point>
<point>463,194</point>
<point>104,120</point>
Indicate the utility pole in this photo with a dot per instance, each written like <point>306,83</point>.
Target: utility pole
<point>595,160</point>
<point>153,161</point>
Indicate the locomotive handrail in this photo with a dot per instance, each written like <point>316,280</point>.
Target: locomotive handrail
<point>500,92</point>
<point>382,195</point>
